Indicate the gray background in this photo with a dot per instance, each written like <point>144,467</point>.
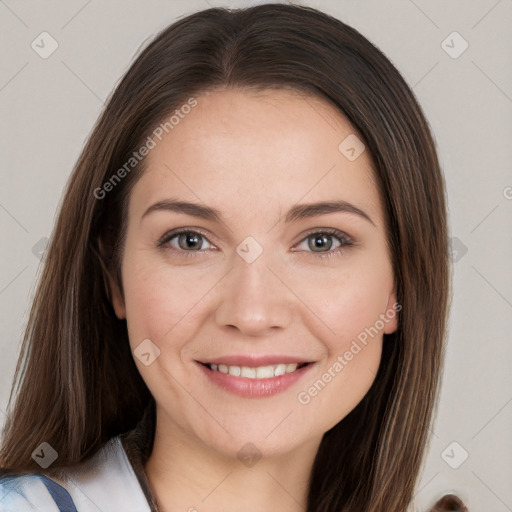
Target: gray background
<point>48,107</point>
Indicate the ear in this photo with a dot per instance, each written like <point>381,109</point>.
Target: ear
<point>116,298</point>
<point>114,294</point>
<point>391,314</point>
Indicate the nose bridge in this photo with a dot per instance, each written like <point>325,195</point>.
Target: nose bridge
<point>253,299</point>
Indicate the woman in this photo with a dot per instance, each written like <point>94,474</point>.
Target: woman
<point>244,301</point>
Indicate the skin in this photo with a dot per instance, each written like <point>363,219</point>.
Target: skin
<point>252,156</point>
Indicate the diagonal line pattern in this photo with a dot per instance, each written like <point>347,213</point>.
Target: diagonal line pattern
<point>216,487</point>
<point>284,489</point>
<point>424,14</point>
<point>491,80</point>
<point>425,485</point>
<point>14,218</point>
<point>12,280</point>
<point>501,409</point>
<point>14,76</point>
<point>492,211</point>
<point>493,287</point>
<point>486,14</point>
<point>75,15</point>
<point>432,431</point>
<point>280,423</point>
<point>79,79</point>
<point>13,13</point>
<point>308,101</point>
<point>497,497</point>
<point>425,75</point>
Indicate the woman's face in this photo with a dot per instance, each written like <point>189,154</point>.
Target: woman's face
<point>259,281</point>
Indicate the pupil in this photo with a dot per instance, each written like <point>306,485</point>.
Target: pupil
<point>321,241</point>
<point>189,239</point>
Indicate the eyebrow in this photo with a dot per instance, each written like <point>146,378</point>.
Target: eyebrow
<point>297,212</point>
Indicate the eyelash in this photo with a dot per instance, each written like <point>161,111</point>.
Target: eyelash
<point>344,239</point>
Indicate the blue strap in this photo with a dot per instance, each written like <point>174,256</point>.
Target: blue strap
<point>60,495</point>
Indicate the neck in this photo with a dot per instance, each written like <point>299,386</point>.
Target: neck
<point>185,474</point>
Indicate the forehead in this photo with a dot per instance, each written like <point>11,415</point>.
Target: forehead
<point>258,150</point>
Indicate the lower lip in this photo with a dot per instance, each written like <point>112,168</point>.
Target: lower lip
<point>254,388</point>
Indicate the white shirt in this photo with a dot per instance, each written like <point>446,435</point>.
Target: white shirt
<point>105,483</point>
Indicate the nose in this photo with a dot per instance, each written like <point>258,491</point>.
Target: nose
<point>254,299</point>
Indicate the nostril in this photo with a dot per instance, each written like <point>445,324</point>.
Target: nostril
<point>449,502</point>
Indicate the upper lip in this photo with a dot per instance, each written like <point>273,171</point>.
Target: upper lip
<point>255,360</point>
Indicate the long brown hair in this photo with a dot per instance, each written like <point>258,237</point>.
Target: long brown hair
<point>76,384</point>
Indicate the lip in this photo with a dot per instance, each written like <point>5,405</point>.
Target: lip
<point>254,388</point>
<point>254,360</point>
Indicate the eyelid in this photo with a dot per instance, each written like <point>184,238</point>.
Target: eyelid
<point>178,231</point>
<point>346,241</point>
<point>338,233</point>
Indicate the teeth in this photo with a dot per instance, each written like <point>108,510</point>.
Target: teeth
<point>245,371</point>
<point>234,370</point>
<point>261,372</point>
<point>280,370</point>
<point>264,372</point>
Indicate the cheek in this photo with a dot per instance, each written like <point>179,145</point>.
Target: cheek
<point>353,346</point>
<point>164,303</point>
<point>340,386</point>
<point>347,301</point>
<point>155,298</point>
<point>352,304</point>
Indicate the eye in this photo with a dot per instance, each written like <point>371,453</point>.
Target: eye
<point>321,242</point>
<point>185,241</point>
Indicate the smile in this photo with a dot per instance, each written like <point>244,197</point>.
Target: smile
<point>249,379</point>
<point>259,372</point>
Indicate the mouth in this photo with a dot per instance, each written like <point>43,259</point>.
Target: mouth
<point>258,372</point>
<point>254,377</point>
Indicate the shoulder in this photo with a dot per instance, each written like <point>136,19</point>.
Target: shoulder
<point>104,482</point>
<point>25,493</point>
